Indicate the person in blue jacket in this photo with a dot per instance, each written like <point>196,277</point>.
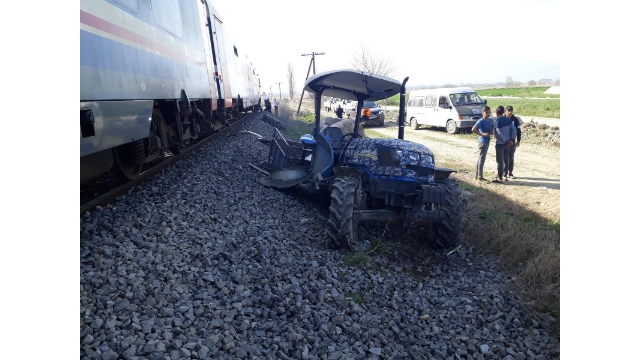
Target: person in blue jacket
<point>508,171</point>
<point>505,133</point>
<point>483,129</point>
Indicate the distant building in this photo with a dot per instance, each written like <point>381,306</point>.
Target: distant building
<point>545,81</point>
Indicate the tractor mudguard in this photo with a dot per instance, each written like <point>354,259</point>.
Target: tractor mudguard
<point>346,171</point>
<point>443,173</point>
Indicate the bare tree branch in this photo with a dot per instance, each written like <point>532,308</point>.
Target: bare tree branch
<point>373,62</point>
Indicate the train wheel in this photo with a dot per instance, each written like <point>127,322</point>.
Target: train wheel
<point>128,160</point>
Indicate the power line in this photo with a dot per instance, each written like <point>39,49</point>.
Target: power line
<point>312,62</point>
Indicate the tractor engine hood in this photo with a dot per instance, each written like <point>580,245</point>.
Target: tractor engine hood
<point>391,158</point>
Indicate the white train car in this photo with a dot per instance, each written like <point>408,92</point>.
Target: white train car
<point>154,75</point>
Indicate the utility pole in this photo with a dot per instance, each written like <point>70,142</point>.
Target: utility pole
<point>312,62</point>
<point>279,89</point>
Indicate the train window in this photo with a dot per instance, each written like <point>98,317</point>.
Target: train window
<point>168,16</point>
<point>129,4</point>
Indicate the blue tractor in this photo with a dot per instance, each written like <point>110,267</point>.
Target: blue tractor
<point>369,179</point>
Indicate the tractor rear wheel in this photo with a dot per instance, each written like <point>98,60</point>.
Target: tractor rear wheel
<point>342,229</point>
<point>448,230</point>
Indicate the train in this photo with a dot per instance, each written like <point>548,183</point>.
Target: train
<point>155,75</point>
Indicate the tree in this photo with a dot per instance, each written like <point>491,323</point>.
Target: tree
<point>291,81</point>
<point>532,83</point>
<point>373,62</point>
<point>509,81</point>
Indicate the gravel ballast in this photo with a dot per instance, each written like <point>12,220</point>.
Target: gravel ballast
<point>203,262</point>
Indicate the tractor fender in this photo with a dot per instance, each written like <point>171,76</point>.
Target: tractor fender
<point>443,173</point>
<point>346,171</point>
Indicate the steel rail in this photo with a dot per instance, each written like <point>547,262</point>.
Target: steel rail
<point>113,194</point>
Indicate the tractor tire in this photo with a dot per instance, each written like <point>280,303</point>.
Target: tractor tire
<point>342,229</point>
<point>448,231</point>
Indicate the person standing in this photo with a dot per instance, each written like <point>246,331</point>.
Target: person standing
<point>483,129</point>
<point>339,111</point>
<point>512,150</point>
<point>505,133</point>
<point>265,98</point>
<point>267,105</point>
<point>275,105</point>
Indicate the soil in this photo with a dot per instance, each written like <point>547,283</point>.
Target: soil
<point>537,167</point>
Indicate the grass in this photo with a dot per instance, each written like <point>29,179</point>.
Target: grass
<point>519,92</point>
<point>357,298</point>
<point>357,259</point>
<point>527,243</point>
<point>297,124</point>
<point>548,108</point>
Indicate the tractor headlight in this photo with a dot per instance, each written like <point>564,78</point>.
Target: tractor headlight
<point>429,159</point>
<point>414,156</point>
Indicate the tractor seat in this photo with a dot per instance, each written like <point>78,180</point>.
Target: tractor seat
<point>334,134</point>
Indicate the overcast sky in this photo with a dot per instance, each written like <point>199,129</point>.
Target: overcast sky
<point>431,42</point>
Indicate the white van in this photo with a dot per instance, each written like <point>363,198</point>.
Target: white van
<point>451,108</point>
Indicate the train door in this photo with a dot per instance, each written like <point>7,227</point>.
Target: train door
<point>223,69</point>
<point>207,38</point>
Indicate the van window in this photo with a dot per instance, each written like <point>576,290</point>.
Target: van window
<point>410,103</point>
<point>470,98</point>
<point>420,101</point>
<point>168,16</point>
<point>431,101</point>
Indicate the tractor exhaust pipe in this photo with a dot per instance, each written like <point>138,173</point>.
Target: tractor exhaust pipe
<point>402,114</point>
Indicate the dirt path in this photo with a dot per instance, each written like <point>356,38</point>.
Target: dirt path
<point>537,168</point>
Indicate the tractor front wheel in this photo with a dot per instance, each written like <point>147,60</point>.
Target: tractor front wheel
<point>342,229</point>
<point>448,230</point>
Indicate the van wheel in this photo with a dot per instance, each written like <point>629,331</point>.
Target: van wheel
<point>414,124</point>
<point>452,128</point>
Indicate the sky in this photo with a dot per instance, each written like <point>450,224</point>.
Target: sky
<point>433,43</point>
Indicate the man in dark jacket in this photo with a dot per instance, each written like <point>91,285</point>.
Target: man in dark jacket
<point>505,133</point>
<point>508,172</point>
<point>339,111</point>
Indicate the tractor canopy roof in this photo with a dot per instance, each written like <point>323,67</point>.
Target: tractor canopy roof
<point>352,85</point>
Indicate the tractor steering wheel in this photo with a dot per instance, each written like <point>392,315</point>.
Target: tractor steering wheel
<point>343,139</point>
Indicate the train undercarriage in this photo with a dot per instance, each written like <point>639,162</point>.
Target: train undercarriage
<point>174,125</point>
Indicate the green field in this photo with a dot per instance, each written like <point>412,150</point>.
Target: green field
<point>529,107</point>
<point>548,108</point>
<point>519,92</point>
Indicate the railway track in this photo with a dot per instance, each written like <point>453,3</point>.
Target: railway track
<point>112,194</point>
